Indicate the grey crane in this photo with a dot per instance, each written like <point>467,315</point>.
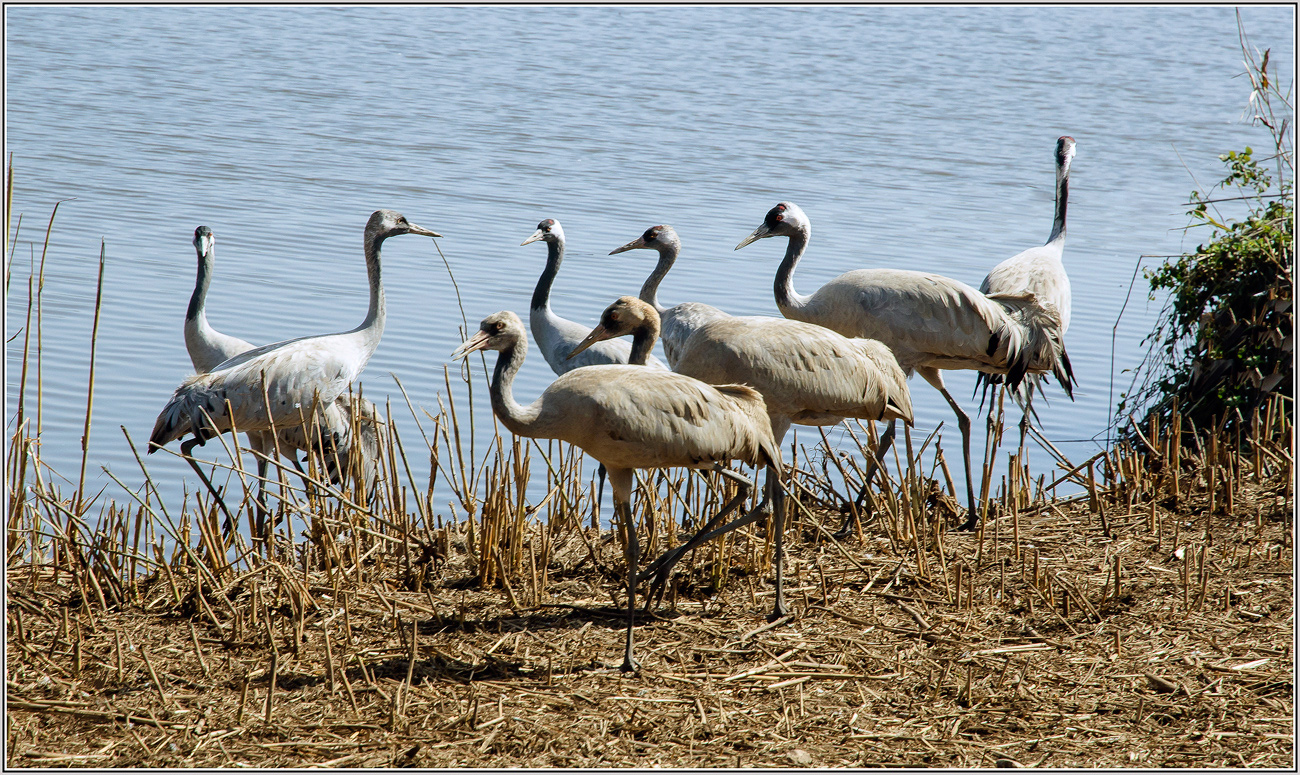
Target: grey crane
<point>556,336</point>
<point>929,321</point>
<point>807,375</point>
<point>295,383</point>
<point>629,417</point>
<point>208,348</point>
<point>1040,271</point>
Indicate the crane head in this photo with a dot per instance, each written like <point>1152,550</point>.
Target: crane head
<point>548,230</point>
<point>204,239</point>
<point>498,331</point>
<point>1064,152</point>
<point>781,221</point>
<point>626,315</point>
<point>656,237</point>
<point>387,223</point>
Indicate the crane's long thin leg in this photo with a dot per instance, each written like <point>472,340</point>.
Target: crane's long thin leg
<point>660,567</point>
<point>777,494</point>
<point>875,464</point>
<point>620,481</point>
<point>935,379</point>
<point>1027,409</point>
<point>624,511</point>
<point>600,489</point>
<point>186,451</point>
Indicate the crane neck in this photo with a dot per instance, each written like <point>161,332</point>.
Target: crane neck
<point>650,290</point>
<point>643,341</point>
<point>372,328</point>
<point>542,293</point>
<point>1062,197</point>
<point>516,418</point>
<point>196,315</point>
<point>783,286</point>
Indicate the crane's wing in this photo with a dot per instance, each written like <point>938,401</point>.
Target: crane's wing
<point>634,417</point>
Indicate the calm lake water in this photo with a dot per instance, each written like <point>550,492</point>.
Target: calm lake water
<point>913,138</point>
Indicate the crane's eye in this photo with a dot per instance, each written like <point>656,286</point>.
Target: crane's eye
<point>500,327</point>
<point>613,315</point>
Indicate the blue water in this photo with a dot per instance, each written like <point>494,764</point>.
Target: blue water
<point>916,138</point>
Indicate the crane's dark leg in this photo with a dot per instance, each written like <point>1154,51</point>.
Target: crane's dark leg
<point>600,489</point>
<point>620,481</point>
<point>864,495</point>
<point>633,554</point>
<point>186,450</point>
<point>660,567</point>
<point>935,379</point>
<point>1024,420</point>
<point>776,493</point>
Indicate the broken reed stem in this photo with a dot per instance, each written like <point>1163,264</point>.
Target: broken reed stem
<point>79,508</point>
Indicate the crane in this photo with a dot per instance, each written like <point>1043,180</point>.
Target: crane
<point>1039,271</point>
<point>807,375</point>
<point>629,417</point>
<point>293,383</point>
<point>208,348</point>
<point>556,336</point>
<point>930,322</point>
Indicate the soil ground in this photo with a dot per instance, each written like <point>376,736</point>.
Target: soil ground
<point>1019,646</point>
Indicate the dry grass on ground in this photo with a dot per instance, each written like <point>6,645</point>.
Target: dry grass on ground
<point>1057,638</point>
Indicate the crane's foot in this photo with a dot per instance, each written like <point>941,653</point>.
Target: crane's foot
<point>779,610</point>
<point>629,665</point>
<point>972,521</point>
<point>845,530</point>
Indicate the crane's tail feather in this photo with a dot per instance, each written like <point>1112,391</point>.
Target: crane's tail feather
<point>191,410</point>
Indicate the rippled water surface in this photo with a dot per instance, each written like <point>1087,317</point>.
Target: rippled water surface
<point>913,138</point>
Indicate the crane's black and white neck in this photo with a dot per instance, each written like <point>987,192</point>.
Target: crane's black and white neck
<point>785,220</point>
<point>550,232</point>
<point>556,336</point>
<point>1064,154</point>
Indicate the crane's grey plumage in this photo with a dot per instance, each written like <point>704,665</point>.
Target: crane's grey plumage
<point>208,348</point>
<point>929,321</point>
<point>288,384</point>
<point>628,417</point>
<point>807,375</point>
<point>677,323</point>
<point>1040,271</point>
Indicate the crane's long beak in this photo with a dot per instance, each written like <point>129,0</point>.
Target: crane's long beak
<point>478,341</point>
<point>423,232</point>
<point>536,236</point>
<point>633,245</point>
<point>598,334</point>
<point>759,233</point>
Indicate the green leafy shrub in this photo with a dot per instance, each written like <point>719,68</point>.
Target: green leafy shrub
<point>1224,341</point>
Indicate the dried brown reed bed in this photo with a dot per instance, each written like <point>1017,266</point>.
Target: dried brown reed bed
<point>1147,622</point>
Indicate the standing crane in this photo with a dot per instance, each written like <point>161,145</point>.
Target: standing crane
<point>807,375</point>
<point>629,417</point>
<point>929,321</point>
<point>1039,271</point>
<point>295,383</point>
<point>556,336</point>
<point>208,348</point>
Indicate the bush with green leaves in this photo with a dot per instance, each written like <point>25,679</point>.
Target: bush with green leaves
<point>1224,341</point>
